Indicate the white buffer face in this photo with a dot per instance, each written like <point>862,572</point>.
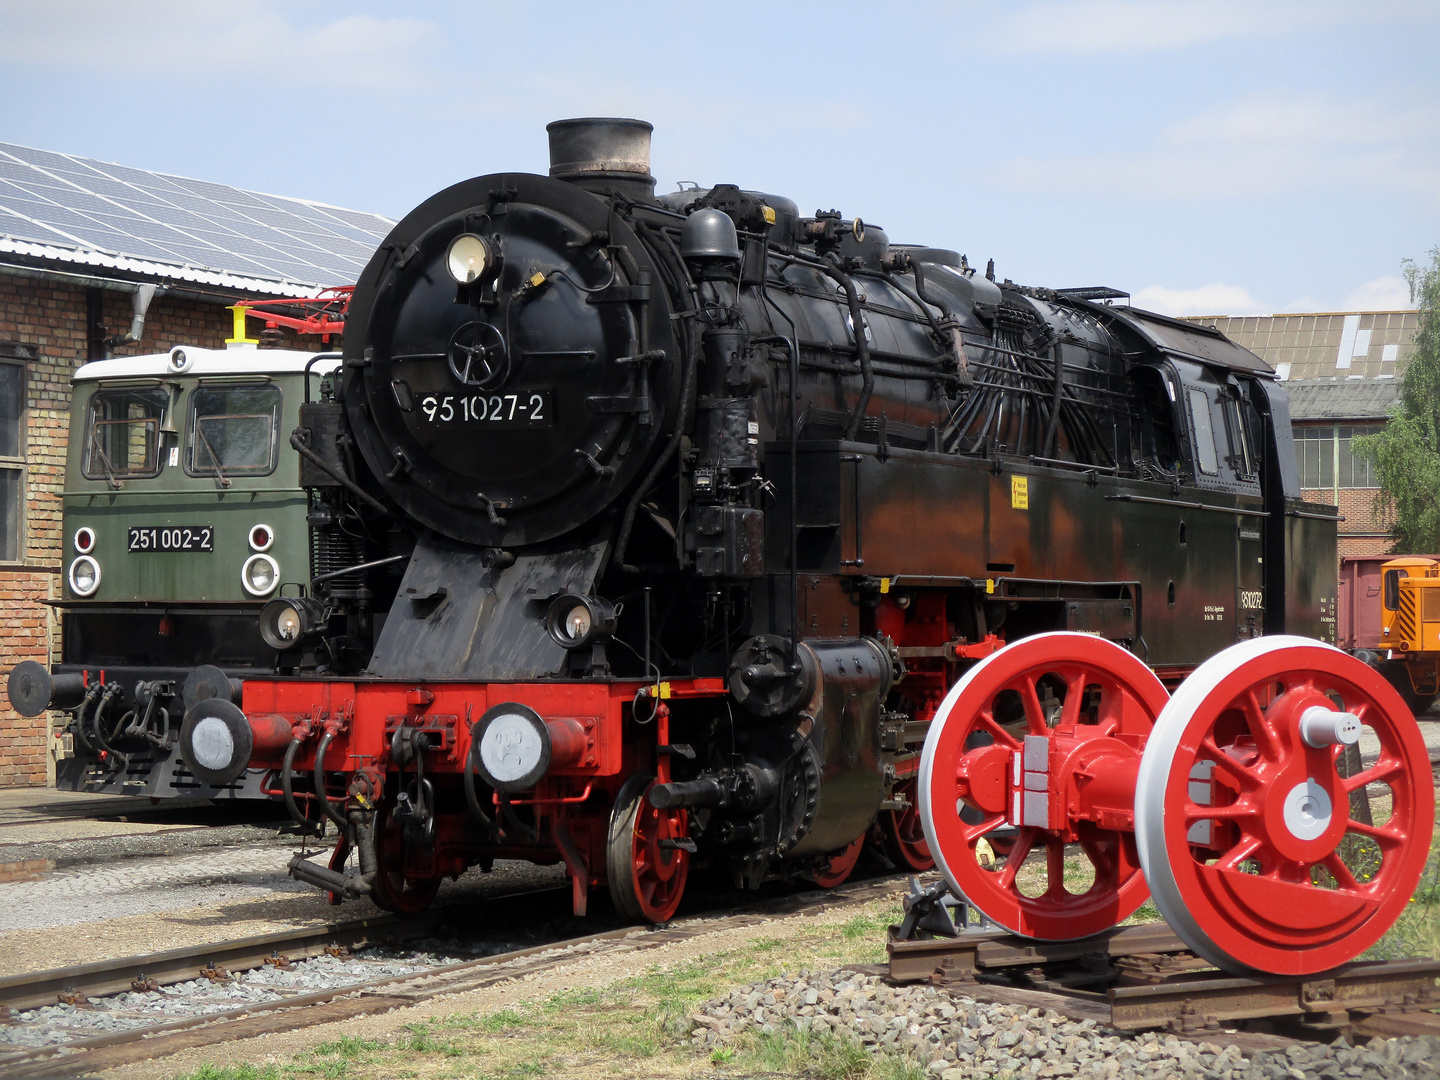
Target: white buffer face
<point>510,747</point>
<point>213,744</point>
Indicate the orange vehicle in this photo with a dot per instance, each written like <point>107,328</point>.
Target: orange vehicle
<point>1410,627</point>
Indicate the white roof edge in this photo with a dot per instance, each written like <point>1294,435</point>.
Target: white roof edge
<point>239,360</point>
<point>178,271</point>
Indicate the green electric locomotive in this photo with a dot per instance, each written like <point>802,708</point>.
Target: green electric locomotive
<point>184,515</point>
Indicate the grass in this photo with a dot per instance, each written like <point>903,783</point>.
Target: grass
<point>1417,932</point>
<point>634,1027</point>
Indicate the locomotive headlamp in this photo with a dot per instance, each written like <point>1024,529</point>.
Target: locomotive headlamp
<point>261,537</point>
<point>84,576</point>
<point>84,540</point>
<point>260,575</point>
<point>469,259</point>
<point>574,621</point>
<point>287,621</point>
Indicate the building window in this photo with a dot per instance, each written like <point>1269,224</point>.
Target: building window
<point>12,454</point>
<point>1325,460</point>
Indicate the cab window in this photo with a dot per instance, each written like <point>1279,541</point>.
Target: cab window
<point>122,436</point>
<point>1392,588</point>
<point>232,430</point>
<point>1204,432</point>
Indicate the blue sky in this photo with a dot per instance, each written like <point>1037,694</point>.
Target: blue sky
<point>1231,156</point>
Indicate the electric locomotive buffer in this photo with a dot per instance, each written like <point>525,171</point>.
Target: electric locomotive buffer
<point>718,503</point>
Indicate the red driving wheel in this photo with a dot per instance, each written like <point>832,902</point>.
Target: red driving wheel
<point>1244,821</point>
<point>646,875</point>
<point>842,863</point>
<point>1103,702</point>
<point>393,890</point>
<point>904,832</point>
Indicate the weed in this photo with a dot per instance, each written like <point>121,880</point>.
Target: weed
<point>349,1046</point>
<point>862,926</point>
<point>234,1072</point>
<point>420,1039</point>
<point>503,1020</point>
<point>792,1051</point>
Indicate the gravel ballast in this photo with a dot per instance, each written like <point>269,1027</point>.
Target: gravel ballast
<point>957,1038</point>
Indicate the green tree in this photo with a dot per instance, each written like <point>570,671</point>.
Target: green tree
<point>1407,452</point>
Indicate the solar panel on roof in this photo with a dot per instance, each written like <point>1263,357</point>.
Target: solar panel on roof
<point>79,203</point>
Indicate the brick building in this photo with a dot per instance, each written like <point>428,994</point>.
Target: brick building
<point>98,260</point>
<point>1342,371</point>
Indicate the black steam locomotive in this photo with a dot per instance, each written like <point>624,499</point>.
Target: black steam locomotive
<point>711,503</point>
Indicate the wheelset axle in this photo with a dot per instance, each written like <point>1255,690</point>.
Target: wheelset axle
<point>1229,803</point>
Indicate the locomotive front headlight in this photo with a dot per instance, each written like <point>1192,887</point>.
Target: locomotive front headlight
<point>286,621</point>
<point>578,623</point>
<point>84,576</point>
<point>574,621</point>
<point>469,259</point>
<point>260,575</point>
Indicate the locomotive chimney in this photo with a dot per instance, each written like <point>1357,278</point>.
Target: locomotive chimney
<point>603,154</point>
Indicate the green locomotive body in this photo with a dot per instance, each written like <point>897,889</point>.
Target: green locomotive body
<point>183,516</point>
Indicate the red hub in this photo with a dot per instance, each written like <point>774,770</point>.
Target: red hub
<point>1258,855</point>
<point>1045,736</point>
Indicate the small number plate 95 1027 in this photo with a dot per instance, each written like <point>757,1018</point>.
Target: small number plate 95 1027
<point>171,538</point>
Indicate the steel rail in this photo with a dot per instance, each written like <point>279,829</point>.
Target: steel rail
<point>1143,977</point>
<point>380,995</point>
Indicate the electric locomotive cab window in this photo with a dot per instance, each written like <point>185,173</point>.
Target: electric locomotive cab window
<point>232,430</point>
<point>122,437</point>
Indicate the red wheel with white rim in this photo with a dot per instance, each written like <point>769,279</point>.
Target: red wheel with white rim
<point>645,874</point>
<point>904,832</point>
<point>1260,854</point>
<point>1044,734</point>
<point>842,864</point>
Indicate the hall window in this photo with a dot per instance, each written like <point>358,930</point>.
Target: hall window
<point>1326,461</point>
<point>12,452</point>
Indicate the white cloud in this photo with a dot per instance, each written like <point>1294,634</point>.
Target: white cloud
<point>1096,26</point>
<point>1216,298</point>
<point>1382,294</point>
<point>1261,146</point>
<point>227,41</point>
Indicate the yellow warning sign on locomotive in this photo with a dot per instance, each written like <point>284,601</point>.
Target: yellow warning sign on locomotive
<point>1019,493</point>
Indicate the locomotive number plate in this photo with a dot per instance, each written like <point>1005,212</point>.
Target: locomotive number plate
<point>171,538</point>
<point>529,409</point>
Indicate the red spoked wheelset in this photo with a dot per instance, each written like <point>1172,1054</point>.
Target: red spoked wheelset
<point>1228,802</point>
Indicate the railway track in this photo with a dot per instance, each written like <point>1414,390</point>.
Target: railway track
<point>366,997</point>
<point>1136,978</point>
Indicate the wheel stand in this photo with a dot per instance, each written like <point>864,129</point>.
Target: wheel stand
<point>1137,978</point>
